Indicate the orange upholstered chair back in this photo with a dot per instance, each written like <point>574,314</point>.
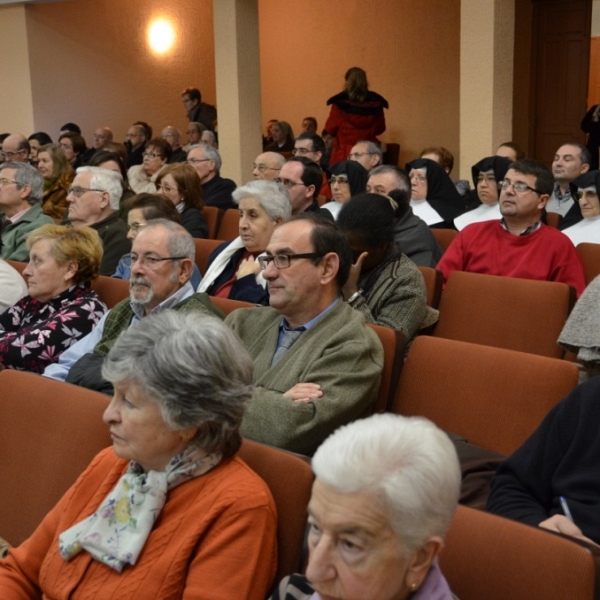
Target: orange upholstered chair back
<point>227,305</point>
<point>487,557</point>
<point>290,480</point>
<point>49,433</point>
<point>434,280</point>
<point>204,249</point>
<point>590,255</point>
<point>444,237</point>
<point>110,289</point>
<point>506,312</point>
<point>495,398</point>
<point>17,265</point>
<point>212,216</point>
<point>229,227</point>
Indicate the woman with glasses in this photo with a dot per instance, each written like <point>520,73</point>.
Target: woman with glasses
<point>434,197</point>
<point>587,229</point>
<point>348,178</point>
<point>488,174</point>
<point>58,176</point>
<point>356,114</point>
<point>140,209</point>
<point>60,307</point>
<point>142,178</point>
<point>181,185</point>
<point>233,269</point>
<point>384,284</point>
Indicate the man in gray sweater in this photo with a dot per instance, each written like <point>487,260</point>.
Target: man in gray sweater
<point>316,364</point>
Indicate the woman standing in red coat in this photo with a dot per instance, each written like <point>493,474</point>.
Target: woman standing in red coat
<point>356,115</point>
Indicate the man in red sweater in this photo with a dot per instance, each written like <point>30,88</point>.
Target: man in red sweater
<point>519,245</point>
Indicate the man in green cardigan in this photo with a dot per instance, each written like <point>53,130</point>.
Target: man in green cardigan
<point>330,372</point>
<point>21,193</point>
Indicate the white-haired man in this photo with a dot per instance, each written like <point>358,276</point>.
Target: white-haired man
<point>216,189</point>
<point>93,199</point>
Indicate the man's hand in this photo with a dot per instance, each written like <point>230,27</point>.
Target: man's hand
<point>560,524</point>
<point>248,266</point>
<point>351,285</point>
<point>304,392</point>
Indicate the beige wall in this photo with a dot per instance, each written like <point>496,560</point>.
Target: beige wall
<point>90,63</point>
<point>410,51</point>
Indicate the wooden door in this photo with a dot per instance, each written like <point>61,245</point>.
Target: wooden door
<point>560,71</point>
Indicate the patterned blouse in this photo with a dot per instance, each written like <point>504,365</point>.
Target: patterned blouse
<point>34,334</point>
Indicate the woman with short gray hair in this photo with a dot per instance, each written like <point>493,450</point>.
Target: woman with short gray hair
<point>169,511</point>
<point>385,492</point>
<point>233,270</point>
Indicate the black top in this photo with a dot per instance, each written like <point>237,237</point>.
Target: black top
<point>217,192</point>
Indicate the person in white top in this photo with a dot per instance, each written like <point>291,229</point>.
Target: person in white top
<point>585,189</point>
<point>12,286</point>
<point>487,175</point>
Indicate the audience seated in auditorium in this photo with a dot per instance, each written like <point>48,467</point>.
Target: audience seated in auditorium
<point>356,114</point>
<point>570,161</point>
<point>197,110</point>
<point>367,154</point>
<point>283,137</point>
<point>155,285</point>
<point>302,177</point>
<point>216,189</point>
<point>233,270</point>
<point>552,481</point>
<point>488,174</point>
<point>21,192</point>
<point>93,202</point>
<point>142,178</point>
<point>36,141</point>
<point>267,166</point>
<point>434,197</point>
<point>330,375</point>
<point>15,148</point>
<point>384,285</point>
<point>411,233</point>
<point>173,138</point>
<point>519,245</point>
<point>60,308</point>
<point>12,286</point>
<point>140,209</point>
<point>348,178</point>
<point>136,145</point>
<point>181,185</point>
<point>386,490</point>
<point>585,190</point>
<point>58,175</point>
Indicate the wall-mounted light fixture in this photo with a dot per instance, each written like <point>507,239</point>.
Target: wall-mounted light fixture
<point>161,36</point>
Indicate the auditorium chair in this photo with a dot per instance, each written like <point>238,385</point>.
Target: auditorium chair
<point>590,255</point>
<point>444,237</point>
<point>212,215</point>
<point>229,227</point>
<point>204,248</point>
<point>434,281</point>
<point>110,289</point>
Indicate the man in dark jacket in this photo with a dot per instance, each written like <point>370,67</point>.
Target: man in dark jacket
<point>197,110</point>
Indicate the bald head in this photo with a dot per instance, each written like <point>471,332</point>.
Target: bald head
<point>102,136</point>
<point>267,166</point>
<point>15,148</point>
<point>172,136</point>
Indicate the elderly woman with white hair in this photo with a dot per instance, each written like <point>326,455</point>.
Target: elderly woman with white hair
<point>233,270</point>
<point>94,199</point>
<point>168,511</point>
<point>385,492</point>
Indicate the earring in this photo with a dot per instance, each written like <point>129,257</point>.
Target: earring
<point>413,587</point>
<point>186,438</point>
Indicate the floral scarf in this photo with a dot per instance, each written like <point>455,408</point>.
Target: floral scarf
<point>117,532</point>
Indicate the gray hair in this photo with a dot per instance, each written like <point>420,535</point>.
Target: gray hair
<point>272,196</point>
<point>27,175</point>
<point>372,149</point>
<point>407,461</point>
<point>107,181</point>
<point>194,367</point>
<point>199,127</point>
<point>400,177</point>
<point>210,153</point>
<point>179,243</point>
<point>211,135</point>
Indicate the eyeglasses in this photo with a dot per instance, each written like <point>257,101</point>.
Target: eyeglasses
<point>519,187</point>
<point>151,155</point>
<point>581,194</point>
<point>357,155</point>
<point>288,182</point>
<point>78,191</point>
<point>302,151</point>
<point>135,227</point>
<point>152,262</point>
<point>420,178</point>
<point>195,161</point>
<point>9,155</point>
<point>262,168</point>
<point>4,181</point>
<point>282,261</point>
<point>338,179</point>
<point>487,178</point>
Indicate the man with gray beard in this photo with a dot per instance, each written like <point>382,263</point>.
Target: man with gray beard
<point>162,259</point>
